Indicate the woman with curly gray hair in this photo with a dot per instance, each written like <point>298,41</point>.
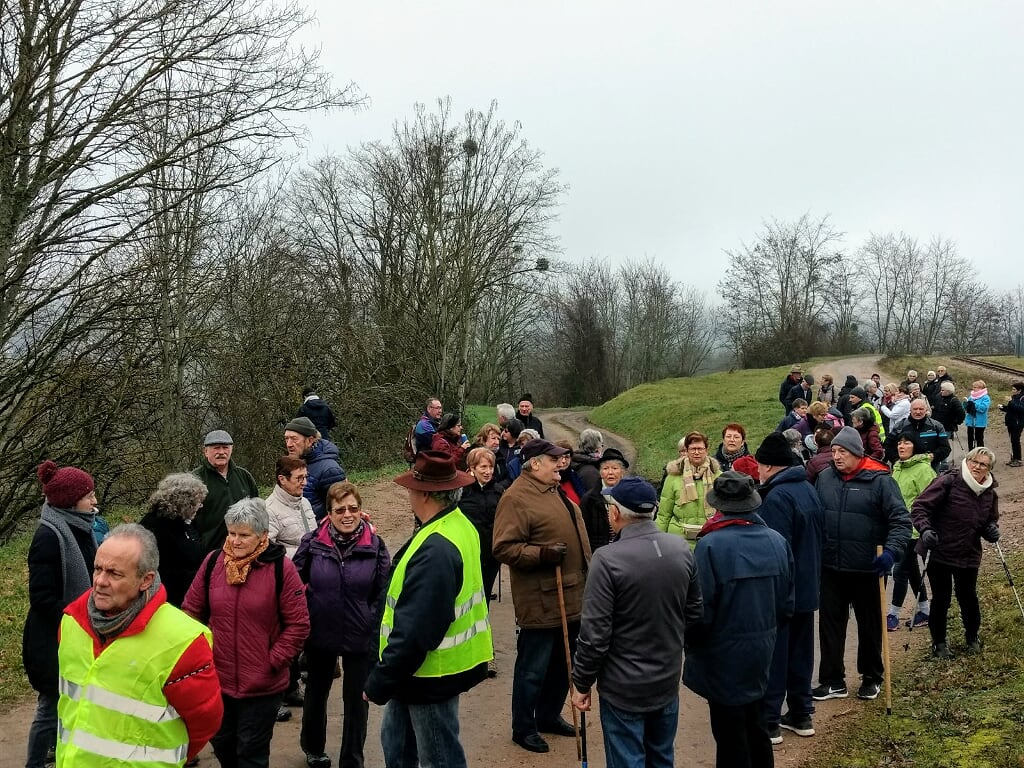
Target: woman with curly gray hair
<point>169,515</point>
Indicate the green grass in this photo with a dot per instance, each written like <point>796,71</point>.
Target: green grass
<point>476,416</point>
<point>965,712</point>
<point>13,609</point>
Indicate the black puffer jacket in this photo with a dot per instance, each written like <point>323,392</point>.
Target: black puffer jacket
<point>587,470</point>
<point>861,513</point>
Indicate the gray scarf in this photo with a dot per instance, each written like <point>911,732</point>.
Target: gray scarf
<point>109,627</point>
<point>77,578</point>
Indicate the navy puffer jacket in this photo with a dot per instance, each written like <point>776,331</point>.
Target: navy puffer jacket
<point>861,513</point>
<point>324,471</point>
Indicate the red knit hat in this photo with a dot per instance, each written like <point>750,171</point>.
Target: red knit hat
<point>64,486</point>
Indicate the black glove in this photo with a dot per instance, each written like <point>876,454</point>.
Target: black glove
<point>929,539</point>
<point>553,554</point>
<point>990,533</point>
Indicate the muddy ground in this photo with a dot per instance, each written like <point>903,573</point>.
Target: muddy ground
<point>485,711</point>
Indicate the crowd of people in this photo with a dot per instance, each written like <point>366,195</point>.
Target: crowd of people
<point>245,607</point>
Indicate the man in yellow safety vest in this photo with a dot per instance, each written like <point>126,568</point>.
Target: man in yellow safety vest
<point>435,636</point>
<point>136,676</point>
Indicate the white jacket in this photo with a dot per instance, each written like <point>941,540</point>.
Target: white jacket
<point>291,518</point>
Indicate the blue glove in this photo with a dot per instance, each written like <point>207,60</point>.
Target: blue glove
<point>991,533</point>
<point>884,562</point>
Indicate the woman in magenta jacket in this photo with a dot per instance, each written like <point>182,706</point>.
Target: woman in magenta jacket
<point>251,596</point>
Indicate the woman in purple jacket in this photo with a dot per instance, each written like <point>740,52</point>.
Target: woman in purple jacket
<point>953,514</point>
<point>345,566</point>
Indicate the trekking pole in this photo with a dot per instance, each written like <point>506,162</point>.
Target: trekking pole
<point>583,737</point>
<point>920,591</point>
<point>1009,578</point>
<point>885,641</point>
<point>568,656</point>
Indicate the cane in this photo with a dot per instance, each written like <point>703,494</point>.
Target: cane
<point>1009,578</point>
<point>568,656</point>
<point>885,641</point>
<point>920,591</point>
<point>583,737</point>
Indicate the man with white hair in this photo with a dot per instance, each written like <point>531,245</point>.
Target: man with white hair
<point>930,433</point>
<point>947,409</point>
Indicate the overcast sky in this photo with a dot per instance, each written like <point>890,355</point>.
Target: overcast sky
<point>679,127</point>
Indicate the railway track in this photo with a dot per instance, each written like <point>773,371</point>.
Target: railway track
<point>1012,372</point>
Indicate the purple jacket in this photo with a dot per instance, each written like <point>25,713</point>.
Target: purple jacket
<point>958,515</point>
<point>344,591</point>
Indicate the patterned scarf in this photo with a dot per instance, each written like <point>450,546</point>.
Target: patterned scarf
<point>345,541</point>
<point>704,473</point>
<point>237,568</point>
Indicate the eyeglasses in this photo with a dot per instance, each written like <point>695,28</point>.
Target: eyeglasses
<point>353,510</point>
<point>979,464</point>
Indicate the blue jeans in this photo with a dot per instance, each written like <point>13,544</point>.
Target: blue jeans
<point>639,739</point>
<point>42,734</point>
<point>540,681</point>
<point>789,677</point>
<point>425,735</point>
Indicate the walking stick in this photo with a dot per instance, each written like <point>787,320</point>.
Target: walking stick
<point>568,656</point>
<point>920,591</point>
<point>885,642</point>
<point>1009,578</point>
<point>583,737</point>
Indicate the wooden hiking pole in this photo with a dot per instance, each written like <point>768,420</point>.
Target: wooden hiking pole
<point>885,641</point>
<point>568,656</point>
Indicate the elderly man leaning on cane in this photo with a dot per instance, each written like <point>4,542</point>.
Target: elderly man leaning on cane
<point>537,529</point>
<point>435,636</point>
<point>641,592</point>
<point>136,674</point>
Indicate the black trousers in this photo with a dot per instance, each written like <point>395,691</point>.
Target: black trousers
<point>741,736</point>
<point>1015,433</point>
<point>243,740</point>
<point>944,579</point>
<point>975,437</point>
<point>839,591</point>
<point>319,678</point>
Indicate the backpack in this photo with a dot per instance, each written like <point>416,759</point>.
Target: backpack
<point>409,446</point>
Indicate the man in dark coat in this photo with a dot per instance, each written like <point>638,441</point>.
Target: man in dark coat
<point>863,509</point>
<point>793,379</point>
<point>527,417</point>
<point>226,483</point>
<point>303,441</point>
<point>316,409</point>
<point>745,570</point>
<point>930,433</point>
<point>641,593</point>
<point>790,506</point>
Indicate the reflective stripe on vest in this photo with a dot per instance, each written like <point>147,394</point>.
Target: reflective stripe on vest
<point>112,707</point>
<point>467,641</point>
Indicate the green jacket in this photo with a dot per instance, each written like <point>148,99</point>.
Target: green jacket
<point>673,512</point>
<point>222,492</point>
<point>913,476</point>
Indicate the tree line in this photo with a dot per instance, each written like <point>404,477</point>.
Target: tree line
<point>169,266</point>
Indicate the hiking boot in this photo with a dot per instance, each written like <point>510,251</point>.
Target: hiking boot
<point>801,725</point>
<point>892,622</point>
<point>1015,463</point>
<point>318,761</point>
<point>920,620</point>
<point>830,691</point>
<point>941,651</point>
<point>775,735</point>
<point>492,668</point>
<point>973,647</point>
<point>283,714</point>
<point>869,690</point>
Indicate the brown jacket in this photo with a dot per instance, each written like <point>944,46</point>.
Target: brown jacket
<point>529,516</point>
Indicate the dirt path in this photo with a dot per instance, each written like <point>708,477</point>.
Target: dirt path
<point>485,711</point>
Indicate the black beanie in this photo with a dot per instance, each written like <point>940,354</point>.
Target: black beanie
<point>774,451</point>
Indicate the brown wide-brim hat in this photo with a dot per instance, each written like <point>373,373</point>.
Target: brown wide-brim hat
<point>434,471</point>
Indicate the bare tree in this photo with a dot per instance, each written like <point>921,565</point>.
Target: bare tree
<point>774,290</point>
<point>83,84</point>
